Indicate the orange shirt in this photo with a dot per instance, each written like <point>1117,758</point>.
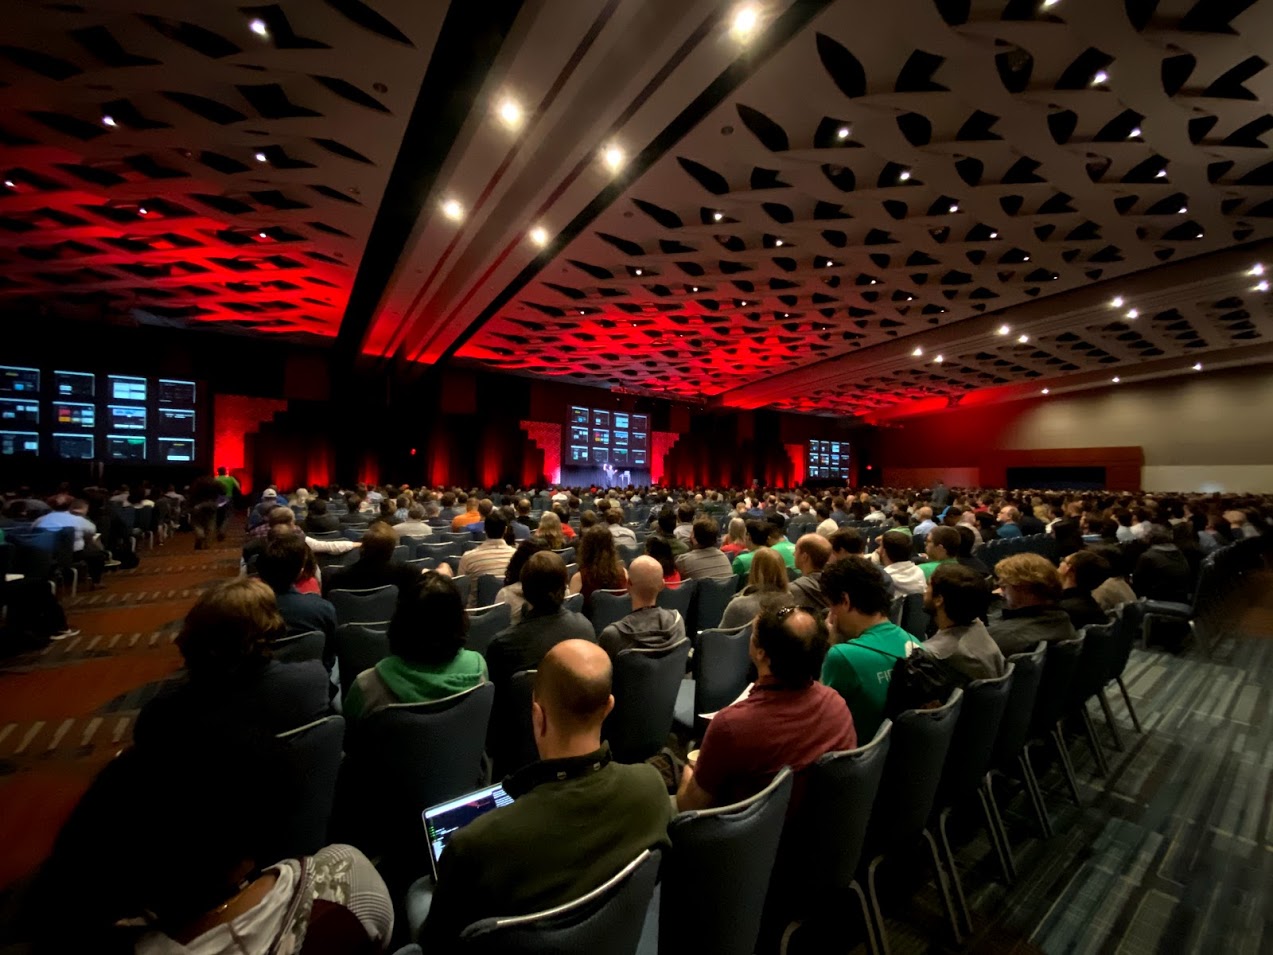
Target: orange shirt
<point>461,521</point>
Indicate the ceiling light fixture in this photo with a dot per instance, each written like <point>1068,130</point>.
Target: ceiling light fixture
<point>1116,302</point>
<point>694,288</point>
<point>954,207</point>
<point>842,133</point>
<point>994,235</point>
<point>453,210</point>
<point>717,216</point>
<point>636,271</point>
<point>1262,286</point>
<point>746,19</point>
<point>539,236</point>
<point>141,210</point>
<point>1161,174</point>
<point>777,242</point>
<point>1004,329</point>
<point>1199,235</point>
<point>261,157</point>
<point>937,359</point>
<point>1023,338</point>
<point>108,120</point>
<point>1133,313</point>
<point>510,113</point>
<point>612,156</point>
<point>262,235</point>
<point>1050,3</point>
<point>1025,258</point>
<point>918,351</point>
<point>258,27</point>
<point>1045,391</point>
<point>1182,210</point>
<point>1197,366</point>
<point>1116,379</point>
<point>1100,77</point>
<point>742,304</point>
<point>1134,134</point>
<point>8,184</point>
<point>904,175</point>
<point>1256,269</point>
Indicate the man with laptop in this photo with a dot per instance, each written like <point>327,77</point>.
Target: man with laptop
<point>558,828</point>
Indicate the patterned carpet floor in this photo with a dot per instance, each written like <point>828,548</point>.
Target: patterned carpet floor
<point>1172,852</point>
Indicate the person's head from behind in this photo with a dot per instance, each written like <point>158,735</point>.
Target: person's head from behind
<point>705,533</point>
<point>967,540</point>
<point>787,645</point>
<point>496,524</point>
<point>1085,570</point>
<point>667,521</point>
<point>857,596</point>
<point>317,508</point>
<point>1009,515</point>
<point>1028,580</point>
<point>847,542</point>
<point>758,533</point>
<point>768,572</point>
<point>282,561</point>
<point>571,699</point>
<point>685,513</point>
<point>645,580</point>
<point>378,542</point>
<point>614,515</point>
<point>230,628</point>
<point>942,543</point>
<point>737,530</point>
<point>544,582</point>
<point>430,623</point>
<point>550,529</point>
<point>812,553</point>
<point>661,550</point>
<point>525,551</point>
<point>895,547</point>
<point>597,554</point>
<point>221,472</point>
<point>956,596</point>
<point>280,517</point>
<point>415,512</point>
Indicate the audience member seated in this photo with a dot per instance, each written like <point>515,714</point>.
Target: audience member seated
<point>1162,571</point>
<point>491,556</point>
<point>281,565</point>
<point>736,539</point>
<point>661,551</point>
<point>705,560</point>
<point>1081,573</point>
<point>925,524</point>
<point>282,520</point>
<point>865,642</point>
<point>468,516</point>
<point>966,558</point>
<point>648,626</point>
<point>551,531</point>
<point>666,529</point>
<point>758,532</point>
<point>318,520</point>
<point>895,557</point>
<point>1009,523</point>
<point>577,817</point>
<point>803,521</point>
<point>957,601</point>
<point>1116,590</point>
<point>621,534</point>
<point>230,679</point>
<point>767,578</point>
<point>375,566</point>
<point>415,526</point>
<point>599,565</point>
<point>427,660</point>
<point>1031,588</point>
<point>787,718</point>
<point>511,592</point>
<point>259,514</point>
<point>813,551</point>
<point>941,545</point>
<point>68,512</point>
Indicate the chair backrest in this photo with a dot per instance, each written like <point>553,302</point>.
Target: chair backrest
<point>359,647</point>
<point>914,616</point>
<point>354,532</point>
<point>645,687</point>
<point>423,563</point>
<point>714,595</point>
<point>974,741</point>
<point>325,535</point>
<point>678,597</point>
<point>921,739</point>
<point>721,664</point>
<point>630,552</point>
<point>316,749</point>
<point>410,543</point>
<point>488,585</point>
<point>517,735</point>
<point>608,919</point>
<point>1097,657</point>
<point>1054,688</point>
<point>402,552</point>
<point>374,603</point>
<point>1131,617</point>
<point>409,756</point>
<point>299,647</point>
<point>895,608</point>
<point>1014,725</point>
<point>574,603</point>
<point>440,551</point>
<point>464,584</point>
<point>609,606</point>
<point>458,537</point>
<point>485,623</point>
<point>717,874</point>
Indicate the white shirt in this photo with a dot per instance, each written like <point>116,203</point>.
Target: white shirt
<point>907,578</point>
<point>827,528</point>
<point>55,520</point>
<point>412,529</point>
<point>252,933</point>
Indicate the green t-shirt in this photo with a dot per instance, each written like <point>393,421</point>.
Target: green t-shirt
<point>229,484</point>
<point>859,670</point>
<point>786,549</point>
<point>929,566</point>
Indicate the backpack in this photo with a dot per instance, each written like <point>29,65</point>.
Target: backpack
<point>921,681</point>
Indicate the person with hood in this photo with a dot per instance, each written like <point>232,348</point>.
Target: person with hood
<point>427,659</point>
<point>648,626</point>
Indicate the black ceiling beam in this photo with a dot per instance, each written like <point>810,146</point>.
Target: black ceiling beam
<point>466,46</point>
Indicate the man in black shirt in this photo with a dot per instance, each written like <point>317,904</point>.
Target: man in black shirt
<point>1081,573</point>
<point>1162,571</point>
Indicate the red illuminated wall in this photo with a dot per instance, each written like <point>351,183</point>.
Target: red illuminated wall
<point>234,417</point>
<point>795,453</point>
<point>661,442</point>
<point>546,437</point>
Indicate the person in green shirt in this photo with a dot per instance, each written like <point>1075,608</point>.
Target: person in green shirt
<point>942,546</point>
<point>866,643</point>
<point>764,534</point>
<point>427,660</point>
<point>229,483</point>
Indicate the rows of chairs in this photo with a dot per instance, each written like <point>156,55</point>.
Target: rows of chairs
<point>993,551</point>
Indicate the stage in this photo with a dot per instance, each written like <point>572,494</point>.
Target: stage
<point>596,476</point>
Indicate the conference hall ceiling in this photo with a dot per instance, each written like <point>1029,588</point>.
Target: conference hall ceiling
<point>830,207</point>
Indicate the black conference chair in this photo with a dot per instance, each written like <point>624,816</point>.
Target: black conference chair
<point>512,744</point>
<point>714,596</point>
<point>359,646</point>
<point>485,623</point>
<point>678,597</point>
<point>488,586</point>
<point>645,687</point>
<point>716,876</point>
<point>967,763</point>
<point>299,647</point>
<point>573,603</point>
<point>609,606</point>
<point>1095,660</point>
<point>1009,748</point>
<point>1051,705</point>
<point>722,663</point>
<point>422,563</point>
<point>407,757</point>
<point>316,751</point>
<point>410,543</point>
<point>899,818</point>
<point>1128,628</point>
<point>439,552</point>
<point>630,552</point>
<point>403,553</point>
<point>373,603</point>
<point>914,617</point>
<point>822,847</point>
<point>608,919</point>
<point>464,584</point>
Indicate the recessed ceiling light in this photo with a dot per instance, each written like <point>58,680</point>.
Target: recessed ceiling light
<point>1023,338</point>
<point>261,157</point>
<point>1045,391</point>
<point>636,271</point>
<point>1025,258</point>
<point>141,210</point>
<point>918,351</point>
<point>994,235</point>
<point>1199,235</point>
<point>612,156</point>
<point>539,236</point>
<point>786,314</point>
<point>1050,3</point>
<point>1135,133</point>
<point>1256,269</point>
<point>1133,313</point>
<point>108,120</point>
<point>937,359</point>
<point>1116,379</point>
<point>1161,174</point>
<point>718,216</point>
<point>873,282</point>
<point>453,210</point>
<point>904,175</point>
<point>258,27</point>
<point>262,235</point>
<point>8,184</point>
<point>842,133</point>
<point>1262,286</point>
<point>1182,210</point>
<point>1004,329</point>
<point>1197,366</point>
<point>510,113</point>
<point>954,207</point>
<point>694,288</point>
<point>746,19</point>
<point>1116,302</point>
<point>1099,77</point>
<point>582,312</point>
<point>743,303</point>
<point>777,242</point>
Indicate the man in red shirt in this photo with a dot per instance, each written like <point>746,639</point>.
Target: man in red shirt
<point>788,719</point>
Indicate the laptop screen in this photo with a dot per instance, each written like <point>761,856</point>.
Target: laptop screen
<point>441,821</point>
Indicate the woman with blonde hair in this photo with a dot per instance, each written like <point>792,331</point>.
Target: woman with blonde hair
<point>735,538</point>
<point>549,531</point>
<point>767,578</point>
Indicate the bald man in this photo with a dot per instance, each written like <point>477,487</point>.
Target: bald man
<point>577,816</point>
<point>813,551</point>
<point>648,626</point>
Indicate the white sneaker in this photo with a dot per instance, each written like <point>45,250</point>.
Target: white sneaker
<point>68,632</point>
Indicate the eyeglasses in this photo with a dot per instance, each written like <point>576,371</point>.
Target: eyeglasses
<point>786,612</point>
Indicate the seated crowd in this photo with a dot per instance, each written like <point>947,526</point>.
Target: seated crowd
<point>817,577</point>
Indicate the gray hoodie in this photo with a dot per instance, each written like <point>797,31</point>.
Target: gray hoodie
<point>650,628</point>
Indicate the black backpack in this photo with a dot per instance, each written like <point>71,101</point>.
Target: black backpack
<point>921,681</point>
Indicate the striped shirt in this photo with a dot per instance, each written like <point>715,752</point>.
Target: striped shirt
<point>488,557</point>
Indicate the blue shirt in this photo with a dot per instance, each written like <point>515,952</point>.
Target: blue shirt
<point>1009,530</point>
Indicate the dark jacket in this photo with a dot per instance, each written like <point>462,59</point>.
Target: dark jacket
<point>322,523</point>
<point>1162,573</point>
<point>1082,608</point>
<point>806,592</point>
<point>650,628</point>
<point>305,612</point>
<point>523,645</point>
<point>973,564</point>
<point>573,824</point>
<point>1020,630</point>
<point>365,574</point>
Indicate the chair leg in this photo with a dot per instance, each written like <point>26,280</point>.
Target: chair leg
<point>990,806</point>
<point>1036,793</point>
<point>954,870</point>
<point>1109,720</point>
<point>872,943</point>
<point>880,928</point>
<point>1131,710</point>
<point>1094,742</point>
<point>944,884</point>
<point>1058,740</point>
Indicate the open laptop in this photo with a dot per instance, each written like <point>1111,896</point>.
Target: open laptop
<point>441,821</point>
